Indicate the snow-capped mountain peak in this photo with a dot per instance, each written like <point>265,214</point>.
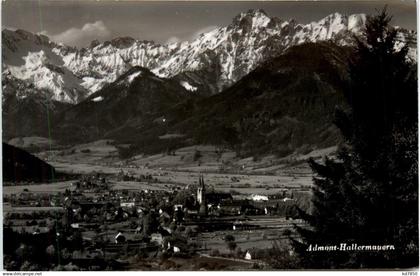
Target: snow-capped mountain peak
<point>226,54</point>
<point>252,19</point>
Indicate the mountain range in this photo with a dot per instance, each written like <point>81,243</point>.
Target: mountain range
<point>285,104</point>
<point>222,56</point>
<point>259,85</point>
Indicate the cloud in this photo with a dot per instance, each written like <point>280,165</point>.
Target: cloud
<point>173,39</point>
<point>203,30</point>
<point>82,36</point>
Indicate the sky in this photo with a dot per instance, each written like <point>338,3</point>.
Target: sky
<point>77,23</point>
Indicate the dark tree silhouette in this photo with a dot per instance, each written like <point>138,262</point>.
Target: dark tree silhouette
<point>369,194</point>
<point>150,223</point>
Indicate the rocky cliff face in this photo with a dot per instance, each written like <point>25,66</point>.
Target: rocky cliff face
<point>211,62</point>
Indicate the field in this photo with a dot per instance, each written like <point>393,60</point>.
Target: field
<point>38,188</point>
<point>167,178</point>
<point>41,143</point>
<point>241,177</point>
<point>272,230</point>
<point>27,209</point>
<point>201,262</point>
<point>225,172</point>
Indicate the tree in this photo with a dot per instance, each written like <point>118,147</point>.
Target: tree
<point>24,252</point>
<point>150,223</point>
<point>369,196</point>
<point>197,155</point>
<point>231,245</point>
<point>230,242</point>
<point>77,241</point>
<point>50,250</point>
<point>229,238</point>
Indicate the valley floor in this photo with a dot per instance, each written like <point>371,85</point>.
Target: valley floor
<point>242,178</point>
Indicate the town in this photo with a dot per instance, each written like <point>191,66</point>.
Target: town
<point>209,136</point>
<point>95,225</point>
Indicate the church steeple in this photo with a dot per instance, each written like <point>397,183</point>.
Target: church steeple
<point>201,190</point>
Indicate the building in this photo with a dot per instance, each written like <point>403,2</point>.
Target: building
<point>201,190</point>
<point>215,198</point>
<point>259,198</point>
<point>206,199</point>
<point>120,238</point>
<point>248,255</point>
<point>201,197</point>
<point>157,237</point>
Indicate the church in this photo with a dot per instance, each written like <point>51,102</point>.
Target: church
<point>207,199</point>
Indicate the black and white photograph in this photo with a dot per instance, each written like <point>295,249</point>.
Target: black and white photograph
<point>209,136</point>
